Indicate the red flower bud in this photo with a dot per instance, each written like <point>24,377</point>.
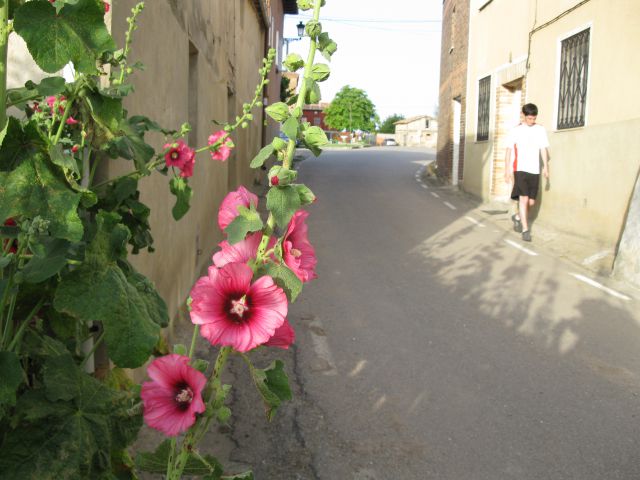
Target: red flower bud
<point>75,148</point>
<point>275,180</point>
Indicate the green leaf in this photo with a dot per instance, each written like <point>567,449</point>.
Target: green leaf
<point>156,462</point>
<point>248,220</point>
<point>285,279</point>
<point>77,34</point>
<point>47,87</point>
<point>66,161</point>
<point>305,4</point>
<point>293,62</point>
<point>47,263</point>
<point>181,189</point>
<point>67,425</point>
<point>262,156</point>
<point>20,143</point>
<point>34,189</point>
<point>320,72</point>
<point>306,195</point>
<point>290,128</point>
<point>278,111</point>
<point>11,376</point>
<point>128,307</point>
<point>283,202</point>
<point>279,144</point>
<point>313,91</point>
<point>273,385</point>
<point>238,476</point>
<point>107,112</point>
<point>132,146</point>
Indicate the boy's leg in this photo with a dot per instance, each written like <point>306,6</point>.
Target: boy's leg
<point>523,204</point>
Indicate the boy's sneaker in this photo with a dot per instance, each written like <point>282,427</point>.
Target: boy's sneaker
<point>517,224</point>
<point>526,236</point>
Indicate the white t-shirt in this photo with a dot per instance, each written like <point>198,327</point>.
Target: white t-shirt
<point>526,143</point>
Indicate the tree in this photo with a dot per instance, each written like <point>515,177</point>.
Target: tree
<point>351,109</point>
<point>388,125</point>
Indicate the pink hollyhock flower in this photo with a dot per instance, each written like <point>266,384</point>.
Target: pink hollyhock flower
<point>298,254</point>
<point>224,150</point>
<point>283,337</point>
<point>181,156</point>
<point>234,312</point>
<point>229,206</point>
<point>174,395</point>
<point>240,252</point>
<point>71,121</point>
<point>107,7</point>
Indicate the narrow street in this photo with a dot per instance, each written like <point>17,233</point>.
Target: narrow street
<point>432,346</point>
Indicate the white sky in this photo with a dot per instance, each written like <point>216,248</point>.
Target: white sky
<point>389,49</point>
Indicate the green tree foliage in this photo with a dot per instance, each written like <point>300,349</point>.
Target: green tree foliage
<point>388,125</point>
<point>351,109</point>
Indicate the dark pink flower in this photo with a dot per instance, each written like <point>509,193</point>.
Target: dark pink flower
<point>51,101</point>
<point>10,222</point>
<point>75,148</point>
<point>283,337</point>
<point>71,121</point>
<point>224,150</point>
<point>229,206</point>
<point>173,397</point>
<point>234,312</point>
<point>107,7</point>
<point>297,252</point>
<point>181,156</point>
<point>275,180</point>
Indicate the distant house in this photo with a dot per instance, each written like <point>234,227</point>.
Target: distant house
<point>420,131</point>
<point>314,114</point>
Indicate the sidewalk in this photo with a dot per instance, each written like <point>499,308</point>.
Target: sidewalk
<point>583,253</point>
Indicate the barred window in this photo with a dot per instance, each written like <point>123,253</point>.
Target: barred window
<point>574,66</point>
<point>484,97</point>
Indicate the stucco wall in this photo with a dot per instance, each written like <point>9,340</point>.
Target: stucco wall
<point>593,167</point>
<point>207,80</point>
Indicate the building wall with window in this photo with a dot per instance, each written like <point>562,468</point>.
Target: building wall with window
<point>588,106</point>
<point>314,114</point>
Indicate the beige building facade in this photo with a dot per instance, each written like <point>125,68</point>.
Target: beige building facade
<point>574,60</point>
<point>418,131</point>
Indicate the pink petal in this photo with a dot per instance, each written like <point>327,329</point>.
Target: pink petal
<point>240,252</point>
<point>283,337</point>
<point>229,206</point>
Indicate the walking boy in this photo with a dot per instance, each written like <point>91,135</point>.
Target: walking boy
<point>528,142</point>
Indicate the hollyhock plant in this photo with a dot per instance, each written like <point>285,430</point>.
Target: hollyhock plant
<point>229,207</point>
<point>297,251</point>
<point>283,337</point>
<point>234,312</point>
<point>181,156</point>
<point>71,121</point>
<point>51,101</point>
<point>13,244</point>
<point>224,150</point>
<point>173,397</point>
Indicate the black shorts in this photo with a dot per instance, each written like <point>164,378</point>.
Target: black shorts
<point>525,184</point>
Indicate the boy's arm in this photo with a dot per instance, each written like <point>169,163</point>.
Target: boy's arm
<point>508,170</point>
<point>545,162</point>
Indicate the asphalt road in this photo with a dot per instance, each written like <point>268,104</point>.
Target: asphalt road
<point>432,346</point>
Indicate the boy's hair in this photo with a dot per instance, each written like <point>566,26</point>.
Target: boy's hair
<point>530,109</point>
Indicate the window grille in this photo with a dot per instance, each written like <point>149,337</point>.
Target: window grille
<point>484,98</point>
<point>574,66</point>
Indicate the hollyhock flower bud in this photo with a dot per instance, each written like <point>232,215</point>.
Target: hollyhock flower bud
<point>281,176</point>
<point>229,206</point>
<point>234,312</point>
<point>51,101</point>
<point>181,156</point>
<point>274,180</point>
<point>71,121</point>
<point>224,150</point>
<point>298,254</point>
<point>240,252</point>
<point>173,397</point>
<point>283,337</point>
<point>107,7</point>
<point>75,148</point>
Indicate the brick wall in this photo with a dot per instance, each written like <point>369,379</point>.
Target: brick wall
<point>453,83</point>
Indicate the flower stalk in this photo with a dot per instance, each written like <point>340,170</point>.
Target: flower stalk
<point>4,42</point>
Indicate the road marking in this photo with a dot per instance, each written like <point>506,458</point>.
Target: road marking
<point>423,185</point>
<point>596,257</point>
<point>451,206</point>
<point>599,286</point>
<point>474,221</point>
<point>520,247</point>
<point>435,194</point>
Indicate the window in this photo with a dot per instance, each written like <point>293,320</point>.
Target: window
<point>317,121</point>
<point>574,69</point>
<point>484,97</point>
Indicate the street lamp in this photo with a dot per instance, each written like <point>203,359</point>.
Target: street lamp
<point>300,28</point>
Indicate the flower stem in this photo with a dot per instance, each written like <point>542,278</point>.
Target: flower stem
<point>196,330</point>
<point>4,41</point>
<point>90,353</point>
<point>18,336</point>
